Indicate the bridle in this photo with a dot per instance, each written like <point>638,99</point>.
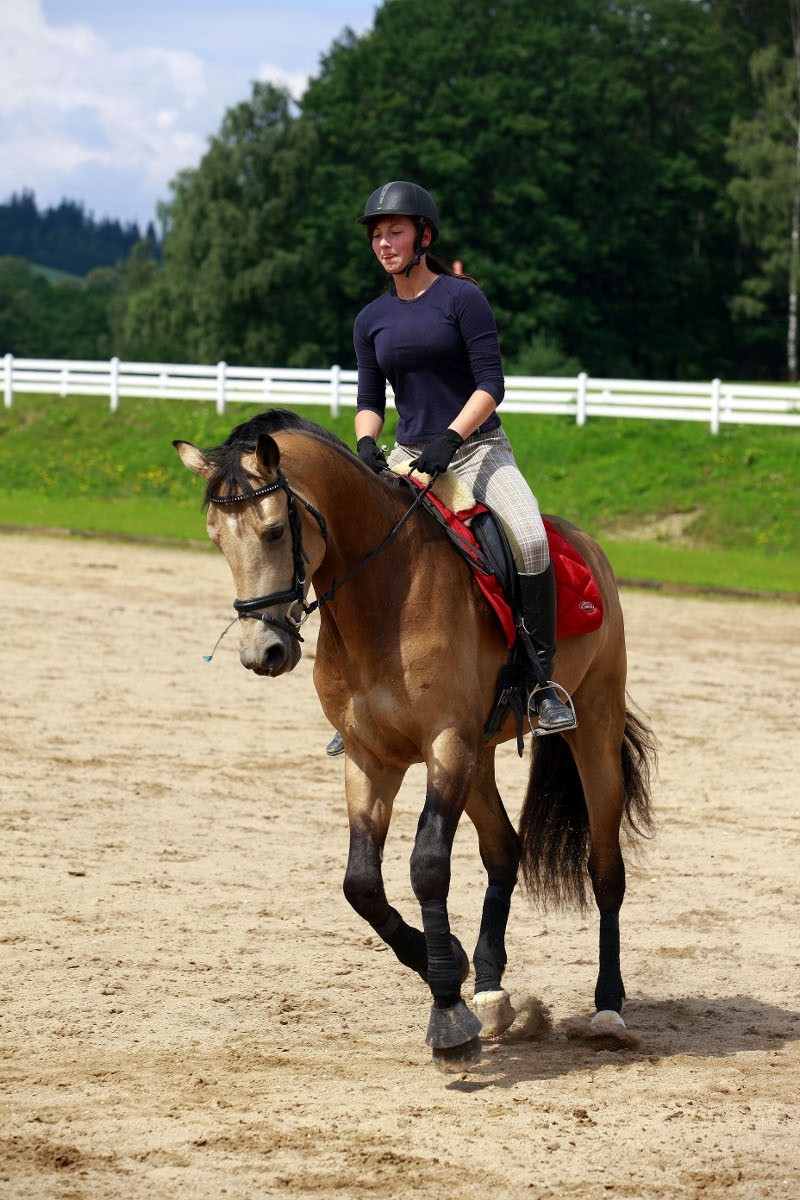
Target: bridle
<point>295,595</point>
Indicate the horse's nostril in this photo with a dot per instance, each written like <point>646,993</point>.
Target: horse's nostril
<point>275,657</point>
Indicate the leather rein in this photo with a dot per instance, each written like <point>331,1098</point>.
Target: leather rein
<point>295,595</point>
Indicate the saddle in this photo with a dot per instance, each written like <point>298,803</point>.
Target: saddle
<point>480,538</point>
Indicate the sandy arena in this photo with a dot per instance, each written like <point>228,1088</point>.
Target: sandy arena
<point>191,1009</point>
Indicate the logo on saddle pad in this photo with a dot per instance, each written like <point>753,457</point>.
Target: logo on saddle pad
<point>587,606</point>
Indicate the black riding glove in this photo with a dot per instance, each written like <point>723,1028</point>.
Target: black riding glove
<point>371,456</point>
<point>438,454</point>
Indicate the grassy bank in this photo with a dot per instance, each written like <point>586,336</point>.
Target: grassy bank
<point>669,501</point>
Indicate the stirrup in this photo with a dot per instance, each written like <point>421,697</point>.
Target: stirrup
<point>538,731</point>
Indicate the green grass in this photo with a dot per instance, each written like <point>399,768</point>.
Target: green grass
<point>669,501</point>
<point>708,569</point>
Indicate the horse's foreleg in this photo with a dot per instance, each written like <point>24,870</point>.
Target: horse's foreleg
<point>499,849</point>
<point>453,1030</point>
<point>370,794</point>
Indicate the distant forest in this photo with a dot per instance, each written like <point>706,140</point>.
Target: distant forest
<point>43,315</point>
<point>65,237</point>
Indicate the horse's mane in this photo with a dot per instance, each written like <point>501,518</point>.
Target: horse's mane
<point>227,456</point>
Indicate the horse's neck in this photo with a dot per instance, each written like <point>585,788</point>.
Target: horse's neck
<point>360,510</point>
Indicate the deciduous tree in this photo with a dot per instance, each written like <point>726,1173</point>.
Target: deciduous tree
<point>765,151</point>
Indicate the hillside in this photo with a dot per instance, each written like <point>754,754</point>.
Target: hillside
<point>669,501</point>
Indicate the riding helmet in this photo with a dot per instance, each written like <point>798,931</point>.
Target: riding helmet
<point>401,199</point>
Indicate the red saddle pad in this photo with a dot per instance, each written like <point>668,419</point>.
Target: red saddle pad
<point>580,606</point>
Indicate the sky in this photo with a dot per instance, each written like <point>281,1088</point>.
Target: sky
<point>103,101</point>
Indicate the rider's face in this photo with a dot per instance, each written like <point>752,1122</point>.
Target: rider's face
<point>393,242</point>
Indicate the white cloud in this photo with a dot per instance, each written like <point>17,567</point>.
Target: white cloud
<point>105,102</point>
<point>67,100</point>
<point>295,82</point>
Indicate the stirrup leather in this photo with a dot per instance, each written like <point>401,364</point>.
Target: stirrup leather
<point>537,731</point>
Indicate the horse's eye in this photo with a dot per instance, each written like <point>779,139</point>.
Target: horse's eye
<point>273,534</point>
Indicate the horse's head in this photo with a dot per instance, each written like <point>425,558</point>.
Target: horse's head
<point>272,550</point>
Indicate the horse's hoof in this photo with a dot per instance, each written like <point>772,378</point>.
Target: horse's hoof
<point>607,1019</point>
<point>495,1011</point>
<point>455,1059</point>
<point>451,1027</point>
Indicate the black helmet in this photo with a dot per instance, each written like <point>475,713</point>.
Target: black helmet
<point>401,199</point>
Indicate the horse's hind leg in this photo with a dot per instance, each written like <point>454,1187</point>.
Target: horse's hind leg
<point>500,852</point>
<point>596,747</point>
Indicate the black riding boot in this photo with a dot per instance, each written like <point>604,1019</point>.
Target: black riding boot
<point>335,745</point>
<point>538,604</point>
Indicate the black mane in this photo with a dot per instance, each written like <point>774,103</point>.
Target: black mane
<point>227,457</point>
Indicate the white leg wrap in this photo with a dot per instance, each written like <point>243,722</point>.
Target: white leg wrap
<point>608,1019</point>
<point>495,1011</point>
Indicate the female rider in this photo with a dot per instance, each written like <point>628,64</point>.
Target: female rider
<point>433,336</point>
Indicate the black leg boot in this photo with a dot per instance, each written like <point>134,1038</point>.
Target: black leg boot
<point>538,634</point>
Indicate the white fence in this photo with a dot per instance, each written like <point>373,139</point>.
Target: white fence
<point>582,397</point>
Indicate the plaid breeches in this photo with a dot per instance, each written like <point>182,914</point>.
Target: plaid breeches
<point>486,464</point>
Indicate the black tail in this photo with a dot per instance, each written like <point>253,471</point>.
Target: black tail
<point>554,824</point>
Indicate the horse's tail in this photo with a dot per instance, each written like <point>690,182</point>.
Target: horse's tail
<point>554,823</point>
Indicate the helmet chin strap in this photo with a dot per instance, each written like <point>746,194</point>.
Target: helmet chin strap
<point>418,252</point>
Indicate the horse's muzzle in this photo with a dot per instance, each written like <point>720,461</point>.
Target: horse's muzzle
<point>269,652</point>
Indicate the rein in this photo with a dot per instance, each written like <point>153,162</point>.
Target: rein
<point>295,595</point>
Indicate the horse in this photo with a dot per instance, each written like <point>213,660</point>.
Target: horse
<point>407,660</point>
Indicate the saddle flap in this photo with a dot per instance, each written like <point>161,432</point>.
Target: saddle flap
<point>480,538</point>
<point>493,541</point>
<point>479,559</point>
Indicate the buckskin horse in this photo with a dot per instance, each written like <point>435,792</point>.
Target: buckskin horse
<point>407,662</point>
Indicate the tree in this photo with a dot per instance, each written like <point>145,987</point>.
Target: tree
<point>577,155</point>
<point>234,272</point>
<point>145,320</point>
<point>39,319</point>
<point>576,152</point>
<point>765,150</point>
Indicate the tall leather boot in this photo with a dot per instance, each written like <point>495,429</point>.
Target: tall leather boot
<point>538,634</point>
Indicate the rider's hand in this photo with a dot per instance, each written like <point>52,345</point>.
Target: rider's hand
<point>371,456</point>
<point>438,454</point>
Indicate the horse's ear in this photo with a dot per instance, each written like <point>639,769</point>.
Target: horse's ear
<point>194,459</point>
<point>268,454</point>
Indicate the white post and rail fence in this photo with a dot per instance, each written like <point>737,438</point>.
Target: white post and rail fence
<point>581,397</point>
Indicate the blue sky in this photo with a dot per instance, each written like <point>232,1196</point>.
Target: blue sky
<point>104,102</point>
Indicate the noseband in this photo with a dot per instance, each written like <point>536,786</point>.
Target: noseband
<point>296,594</point>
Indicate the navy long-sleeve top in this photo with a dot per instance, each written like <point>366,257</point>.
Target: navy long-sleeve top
<point>435,351</point>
